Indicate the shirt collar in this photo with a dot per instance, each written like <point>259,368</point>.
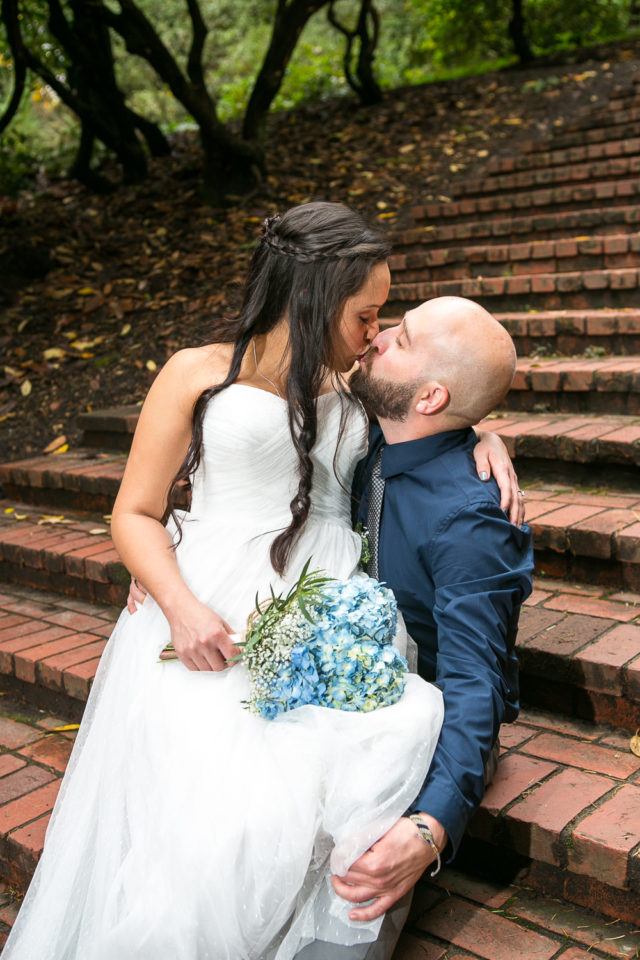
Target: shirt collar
<point>402,457</point>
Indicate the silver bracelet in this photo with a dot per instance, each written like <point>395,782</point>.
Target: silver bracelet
<point>424,831</point>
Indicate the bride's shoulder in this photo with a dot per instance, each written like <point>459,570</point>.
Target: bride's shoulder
<point>198,367</point>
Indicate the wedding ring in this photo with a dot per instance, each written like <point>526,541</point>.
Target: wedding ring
<point>521,493</point>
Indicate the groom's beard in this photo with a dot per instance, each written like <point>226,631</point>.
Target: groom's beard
<point>381,398</point>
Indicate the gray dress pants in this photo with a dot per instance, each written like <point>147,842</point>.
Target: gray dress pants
<point>380,949</point>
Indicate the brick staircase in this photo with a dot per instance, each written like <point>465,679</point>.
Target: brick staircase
<point>549,240</point>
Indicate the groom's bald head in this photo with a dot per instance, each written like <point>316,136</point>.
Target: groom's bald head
<point>447,358</point>
<point>466,349</point>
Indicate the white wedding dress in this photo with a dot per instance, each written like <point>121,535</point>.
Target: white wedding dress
<point>187,828</point>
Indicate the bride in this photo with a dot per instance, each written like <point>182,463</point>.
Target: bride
<point>187,828</point>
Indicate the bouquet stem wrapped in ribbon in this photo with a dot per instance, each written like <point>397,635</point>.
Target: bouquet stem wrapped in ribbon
<point>326,643</point>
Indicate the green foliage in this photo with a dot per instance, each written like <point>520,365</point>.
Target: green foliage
<point>420,40</point>
<point>40,136</point>
<point>558,24</point>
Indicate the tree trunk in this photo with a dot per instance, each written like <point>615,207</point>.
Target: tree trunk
<point>94,73</point>
<point>518,33</point>
<point>289,22</point>
<point>363,82</point>
<point>369,90</point>
<point>81,168</point>
<point>231,166</point>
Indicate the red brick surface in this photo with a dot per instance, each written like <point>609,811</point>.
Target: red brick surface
<point>411,948</point>
<point>52,752</point>
<point>486,934</point>
<point>604,840</point>
<point>515,775</point>
<point>14,735</point>
<point>539,819</point>
<point>52,638</point>
<point>587,756</point>
<point>29,807</point>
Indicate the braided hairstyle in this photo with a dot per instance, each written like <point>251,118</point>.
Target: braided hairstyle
<point>307,264</point>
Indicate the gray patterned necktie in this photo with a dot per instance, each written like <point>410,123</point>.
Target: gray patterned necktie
<point>374,511</point>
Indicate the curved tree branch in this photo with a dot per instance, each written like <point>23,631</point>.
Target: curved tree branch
<point>366,30</point>
<point>12,25</point>
<point>199,36</point>
<point>288,23</point>
<point>349,36</point>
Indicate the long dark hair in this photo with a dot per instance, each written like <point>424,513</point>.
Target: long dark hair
<point>308,263</point>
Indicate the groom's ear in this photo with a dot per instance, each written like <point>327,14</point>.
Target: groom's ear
<point>433,398</point>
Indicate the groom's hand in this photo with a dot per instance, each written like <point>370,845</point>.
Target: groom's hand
<point>387,871</point>
<point>137,594</point>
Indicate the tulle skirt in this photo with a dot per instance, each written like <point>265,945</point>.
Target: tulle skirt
<point>189,829</point>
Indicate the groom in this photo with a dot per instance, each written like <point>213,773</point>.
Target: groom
<point>458,568</point>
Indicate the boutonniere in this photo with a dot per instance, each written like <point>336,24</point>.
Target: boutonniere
<point>365,549</point>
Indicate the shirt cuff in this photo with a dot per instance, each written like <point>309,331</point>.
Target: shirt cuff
<point>449,810</point>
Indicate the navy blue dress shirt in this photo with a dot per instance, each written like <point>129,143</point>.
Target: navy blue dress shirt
<point>460,572</point>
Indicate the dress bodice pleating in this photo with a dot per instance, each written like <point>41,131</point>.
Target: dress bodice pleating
<point>248,473</point>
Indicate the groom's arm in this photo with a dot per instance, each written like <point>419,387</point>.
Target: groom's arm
<point>481,567</point>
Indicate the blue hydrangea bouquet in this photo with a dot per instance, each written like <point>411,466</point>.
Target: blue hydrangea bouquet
<point>327,643</point>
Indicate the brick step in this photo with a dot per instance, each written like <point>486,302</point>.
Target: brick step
<point>587,534</point>
<point>574,331</point>
<point>570,332</point>
<point>624,167</point>
<point>34,752</point>
<point>609,385</point>
<point>602,221</point>
<point>624,91</point>
<point>593,440</point>
<point>82,479</point>
<point>610,193</point>
<point>575,290</point>
<point>579,647</point>
<point>564,796</point>
<point>50,646</point>
<point>118,423</point>
<point>562,141</point>
<point>601,119</point>
<point>69,553</point>
<point>624,100</point>
<point>559,158</point>
<point>486,916</point>
<point>595,253</point>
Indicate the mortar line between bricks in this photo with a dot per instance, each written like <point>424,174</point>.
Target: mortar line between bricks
<point>502,814</point>
<point>564,940</point>
<point>569,829</point>
<point>576,650</point>
<point>21,826</point>
<point>619,781</point>
<point>28,761</point>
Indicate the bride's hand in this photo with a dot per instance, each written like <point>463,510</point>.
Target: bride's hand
<point>201,638</point>
<point>491,457</point>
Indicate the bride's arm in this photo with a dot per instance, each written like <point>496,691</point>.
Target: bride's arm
<point>200,636</point>
<point>492,458</point>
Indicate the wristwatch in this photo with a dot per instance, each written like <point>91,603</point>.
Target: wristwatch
<point>424,831</point>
